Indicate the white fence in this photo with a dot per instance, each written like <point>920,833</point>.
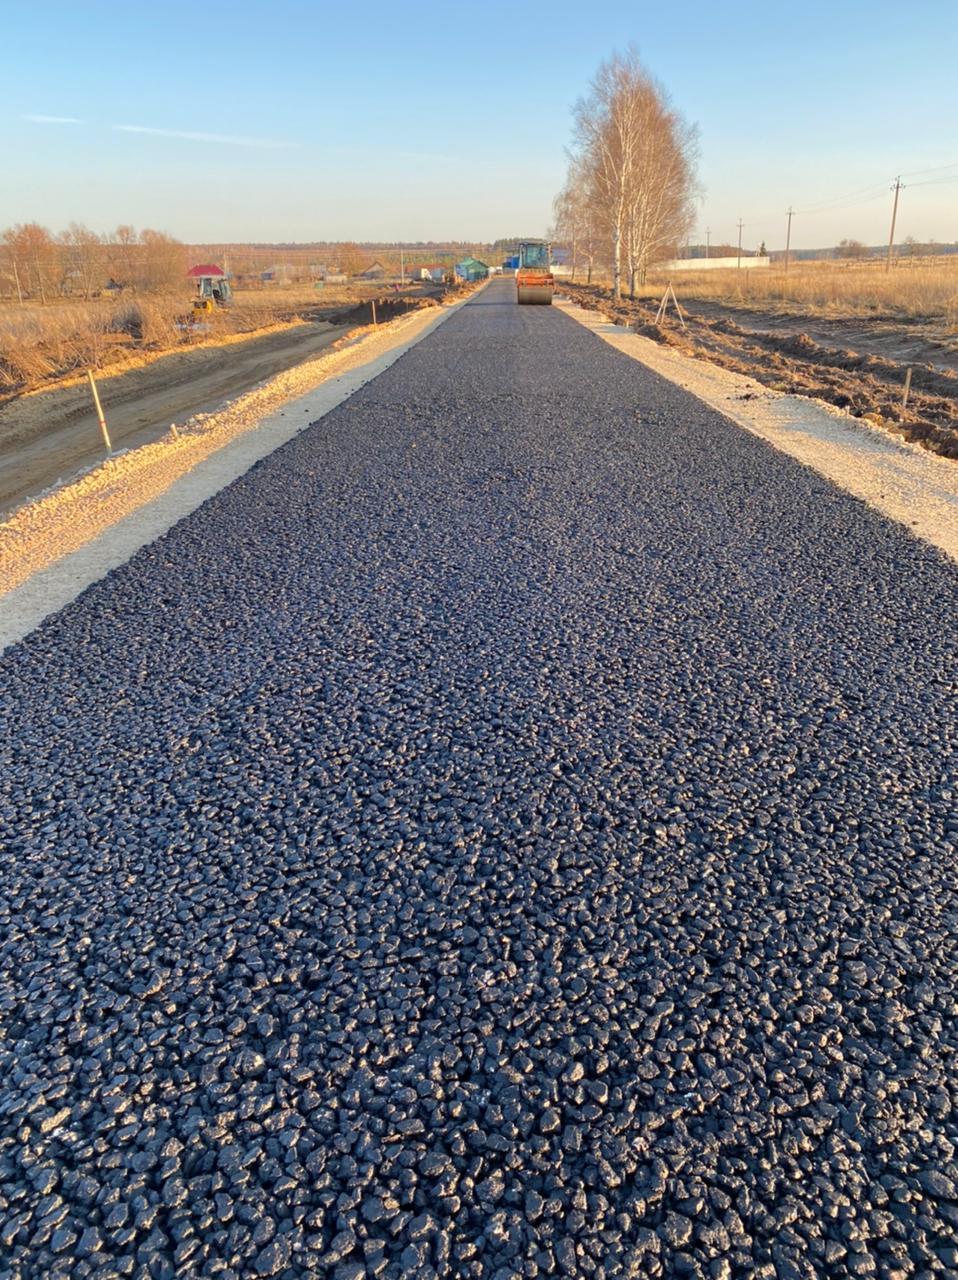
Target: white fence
<point>711,264</point>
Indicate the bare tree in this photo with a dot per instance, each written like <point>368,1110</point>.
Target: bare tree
<point>32,252</point>
<point>123,256</point>
<point>83,260</point>
<point>604,140</point>
<point>353,258</point>
<point>577,222</point>
<point>661,212</point>
<point>12,264</point>
<point>637,160</point>
<point>565,225</point>
<point>163,261</point>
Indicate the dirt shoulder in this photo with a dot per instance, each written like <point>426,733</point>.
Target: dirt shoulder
<point>787,358</point>
<point>49,435</point>
<point>905,340</point>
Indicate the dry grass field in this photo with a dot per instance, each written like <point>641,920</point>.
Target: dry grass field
<point>914,289</point>
<point>40,344</point>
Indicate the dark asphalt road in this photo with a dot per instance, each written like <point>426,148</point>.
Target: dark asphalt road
<point>510,832</point>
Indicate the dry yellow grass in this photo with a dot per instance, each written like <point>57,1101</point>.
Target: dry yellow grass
<point>39,344</point>
<point>924,288</point>
<point>282,297</point>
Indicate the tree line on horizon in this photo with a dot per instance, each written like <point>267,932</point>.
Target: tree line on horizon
<point>37,264</point>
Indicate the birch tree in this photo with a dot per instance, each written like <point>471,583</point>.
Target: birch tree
<point>636,159</point>
<point>83,260</point>
<point>605,130</point>
<point>32,252</point>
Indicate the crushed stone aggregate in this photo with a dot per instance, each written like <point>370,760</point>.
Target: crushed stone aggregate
<point>510,832</point>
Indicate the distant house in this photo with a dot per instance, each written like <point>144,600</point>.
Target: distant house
<point>374,272</point>
<point>561,262</point>
<point>320,271</point>
<point>205,271</point>
<point>433,272</point>
<point>281,273</point>
<point>471,269</point>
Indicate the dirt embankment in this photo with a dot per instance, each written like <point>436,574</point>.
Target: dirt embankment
<point>864,384</point>
<point>45,346</point>
<point>51,434</point>
<point>903,339</point>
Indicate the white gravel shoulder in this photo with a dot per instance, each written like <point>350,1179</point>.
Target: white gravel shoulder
<point>905,482</point>
<point>52,549</point>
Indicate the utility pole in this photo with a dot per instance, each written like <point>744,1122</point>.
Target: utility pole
<point>894,214</point>
<point>402,267</point>
<point>708,233</point>
<point>741,224</point>
<point>788,236</point>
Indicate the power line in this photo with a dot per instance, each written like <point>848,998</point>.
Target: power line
<point>937,169</point>
<point>865,195</point>
<point>851,204</point>
<point>935,182</point>
<point>851,197</point>
<point>761,217</point>
<point>850,200</point>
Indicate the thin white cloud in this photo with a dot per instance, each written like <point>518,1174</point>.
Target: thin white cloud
<point>222,139</point>
<point>53,119</point>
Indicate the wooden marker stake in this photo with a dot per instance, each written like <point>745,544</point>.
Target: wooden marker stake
<point>99,412</point>
<point>904,397</point>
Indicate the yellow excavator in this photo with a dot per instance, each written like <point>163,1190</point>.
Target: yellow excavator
<point>212,293</point>
<point>535,283</point>
<point>212,288</point>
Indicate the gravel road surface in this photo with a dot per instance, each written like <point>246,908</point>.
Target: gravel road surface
<point>509,833</point>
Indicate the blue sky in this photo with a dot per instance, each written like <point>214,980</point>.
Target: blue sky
<point>415,120</point>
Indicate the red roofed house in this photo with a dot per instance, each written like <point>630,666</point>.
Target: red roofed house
<point>211,282</point>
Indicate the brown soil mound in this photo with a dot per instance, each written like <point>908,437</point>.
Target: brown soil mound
<point>387,308</point>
